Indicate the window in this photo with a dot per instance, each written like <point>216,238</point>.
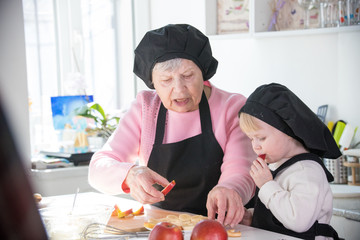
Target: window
<point>76,47</point>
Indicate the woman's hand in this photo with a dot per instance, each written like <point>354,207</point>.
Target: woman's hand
<point>140,180</point>
<point>227,203</point>
<point>260,172</point>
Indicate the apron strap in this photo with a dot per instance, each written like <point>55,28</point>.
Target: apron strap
<point>160,126</point>
<point>326,230</point>
<point>304,156</point>
<point>205,117</point>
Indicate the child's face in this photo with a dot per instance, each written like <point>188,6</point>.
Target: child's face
<point>272,142</point>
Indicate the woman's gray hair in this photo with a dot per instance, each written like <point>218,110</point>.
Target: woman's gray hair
<point>168,65</point>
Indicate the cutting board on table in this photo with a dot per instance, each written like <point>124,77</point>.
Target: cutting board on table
<point>129,224</point>
<point>136,223</point>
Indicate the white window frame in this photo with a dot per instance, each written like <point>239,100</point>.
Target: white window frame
<point>125,83</point>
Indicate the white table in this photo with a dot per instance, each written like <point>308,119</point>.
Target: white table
<point>248,233</point>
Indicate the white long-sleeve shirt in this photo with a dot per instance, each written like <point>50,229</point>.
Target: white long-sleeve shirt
<point>298,196</point>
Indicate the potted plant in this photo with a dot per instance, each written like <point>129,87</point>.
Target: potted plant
<point>104,123</point>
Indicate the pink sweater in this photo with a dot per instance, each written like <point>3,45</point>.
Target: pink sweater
<point>132,141</point>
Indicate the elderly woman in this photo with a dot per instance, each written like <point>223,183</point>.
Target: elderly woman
<point>186,130</point>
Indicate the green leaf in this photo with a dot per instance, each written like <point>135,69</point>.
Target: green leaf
<point>82,111</point>
<point>105,124</point>
<point>98,108</point>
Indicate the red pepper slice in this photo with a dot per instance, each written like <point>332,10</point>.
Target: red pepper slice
<point>262,156</point>
<point>167,189</point>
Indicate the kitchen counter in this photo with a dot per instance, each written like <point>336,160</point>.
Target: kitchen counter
<point>346,210</point>
<point>346,201</point>
<point>247,232</point>
<point>349,214</point>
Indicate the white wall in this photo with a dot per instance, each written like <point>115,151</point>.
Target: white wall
<point>319,68</point>
<point>13,83</point>
<point>175,11</point>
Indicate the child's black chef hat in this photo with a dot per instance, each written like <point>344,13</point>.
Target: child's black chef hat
<point>281,108</point>
<point>173,41</point>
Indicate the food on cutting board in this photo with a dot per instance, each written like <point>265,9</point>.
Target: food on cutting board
<point>127,213</point>
<point>37,197</point>
<point>209,229</point>
<point>138,212</point>
<point>168,187</point>
<point>124,213</point>
<point>233,233</point>
<point>185,221</point>
<point>116,209</point>
<point>166,230</point>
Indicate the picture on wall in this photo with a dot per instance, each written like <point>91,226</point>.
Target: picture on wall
<point>63,109</point>
<point>232,16</point>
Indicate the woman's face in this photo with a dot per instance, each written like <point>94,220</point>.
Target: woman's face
<point>179,89</point>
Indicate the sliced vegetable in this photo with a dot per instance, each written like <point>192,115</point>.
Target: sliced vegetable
<point>149,225</point>
<point>168,188</point>
<point>116,209</point>
<point>140,211</point>
<point>125,213</point>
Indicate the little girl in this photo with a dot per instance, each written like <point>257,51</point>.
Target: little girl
<point>293,194</point>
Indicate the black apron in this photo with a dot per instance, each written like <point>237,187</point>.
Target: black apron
<point>193,163</point>
<point>263,218</point>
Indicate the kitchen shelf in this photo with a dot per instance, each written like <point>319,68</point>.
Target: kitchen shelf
<point>259,17</point>
<point>304,32</point>
<point>353,166</point>
<point>290,33</point>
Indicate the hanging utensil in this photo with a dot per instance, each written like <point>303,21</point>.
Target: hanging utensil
<point>73,206</point>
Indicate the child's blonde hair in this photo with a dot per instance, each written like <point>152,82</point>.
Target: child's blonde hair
<point>247,123</point>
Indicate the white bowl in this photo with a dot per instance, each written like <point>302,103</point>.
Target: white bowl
<point>62,223</point>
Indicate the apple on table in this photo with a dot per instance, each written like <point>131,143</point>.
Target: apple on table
<point>166,231</point>
<point>209,230</point>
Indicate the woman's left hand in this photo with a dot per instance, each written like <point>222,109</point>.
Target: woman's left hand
<point>227,203</point>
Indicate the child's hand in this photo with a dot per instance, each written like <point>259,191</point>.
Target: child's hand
<point>260,172</point>
<point>247,219</point>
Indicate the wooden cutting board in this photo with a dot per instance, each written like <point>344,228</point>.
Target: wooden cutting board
<point>136,223</point>
<point>130,224</point>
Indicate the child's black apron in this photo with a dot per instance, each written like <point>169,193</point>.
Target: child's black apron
<point>193,163</point>
<point>263,218</point>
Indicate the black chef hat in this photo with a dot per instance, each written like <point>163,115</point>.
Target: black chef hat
<point>281,108</point>
<point>173,41</point>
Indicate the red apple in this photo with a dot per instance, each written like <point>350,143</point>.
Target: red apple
<point>166,231</point>
<point>209,230</point>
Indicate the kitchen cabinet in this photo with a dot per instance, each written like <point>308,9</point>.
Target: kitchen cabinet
<point>51,182</point>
